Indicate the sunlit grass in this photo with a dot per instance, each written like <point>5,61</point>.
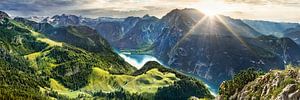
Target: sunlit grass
<point>150,81</point>
<point>42,38</point>
<point>57,86</point>
<point>32,58</point>
<point>50,42</point>
<point>101,80</point>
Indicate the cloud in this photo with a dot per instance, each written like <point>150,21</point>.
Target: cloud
<point>94,8</point>
<point>33,7</point>
<point>112,12</point>
<point>272,9</point>
<point>265,2</point>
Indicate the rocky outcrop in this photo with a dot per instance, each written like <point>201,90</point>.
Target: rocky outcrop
<point>3,15</point>
<point>287,91</point>
<point>275,85</point>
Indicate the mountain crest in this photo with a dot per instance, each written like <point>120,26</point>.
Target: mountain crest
<point>183,13</point>
<point>3,15</point>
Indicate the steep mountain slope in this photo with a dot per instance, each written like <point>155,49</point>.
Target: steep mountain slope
<point>217,59</point>
<point>274,85</point>
<point>39,27</point>
<point>293,33</point>
<point>142,34</point>
<point>132,33</point>
<point>18,80</point>
<point>217,47</point>
<point>200,24</point>
<point>41,68</point>
<point>85,37</point>
<point>270,28</point>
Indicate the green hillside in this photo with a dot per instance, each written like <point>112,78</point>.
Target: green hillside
<point>33,66</point>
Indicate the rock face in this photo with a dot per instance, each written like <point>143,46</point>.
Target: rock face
<point>287,93</point>
<point>132,33</point>
<point>294,34</point>
<point>3,15</point>
<point>275,85</point>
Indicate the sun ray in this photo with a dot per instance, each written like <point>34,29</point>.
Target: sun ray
<point>190,31</point>
<point>234,33</point>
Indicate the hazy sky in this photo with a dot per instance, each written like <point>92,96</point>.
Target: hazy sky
<point>276,10</point>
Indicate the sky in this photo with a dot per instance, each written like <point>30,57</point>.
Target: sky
<point>273,10</point>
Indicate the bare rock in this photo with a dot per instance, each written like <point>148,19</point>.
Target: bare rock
<point>284,95</point>
<point>295,95</point>
<point>3,15</point>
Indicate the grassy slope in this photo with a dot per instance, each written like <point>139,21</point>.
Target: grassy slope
<point>101,80</point>
<point>150,82</point>
<point>18,80</point>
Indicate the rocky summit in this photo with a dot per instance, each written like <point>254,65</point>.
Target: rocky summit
<point>274,85</point>
<point>3,15</point>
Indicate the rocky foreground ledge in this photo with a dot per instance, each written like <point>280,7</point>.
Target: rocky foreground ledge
<point>274,85</point>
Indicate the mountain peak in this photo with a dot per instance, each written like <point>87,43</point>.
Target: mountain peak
<point>65,15</point>
<point>3,15</point>
<point>182,19</point>
<point>146,16</point>
<point>187,13</point>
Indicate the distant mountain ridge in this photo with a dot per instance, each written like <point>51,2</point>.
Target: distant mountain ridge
<point>270,28</point>
<point>66,20</point>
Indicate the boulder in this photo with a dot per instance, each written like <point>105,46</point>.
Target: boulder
<point>295,95</point>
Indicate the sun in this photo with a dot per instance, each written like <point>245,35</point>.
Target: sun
<point>210,12</point>
<point>211,7</point>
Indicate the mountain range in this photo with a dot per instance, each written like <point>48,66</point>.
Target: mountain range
<point>271,28</point>
<point>40,61</point>
<point>212,48</point>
